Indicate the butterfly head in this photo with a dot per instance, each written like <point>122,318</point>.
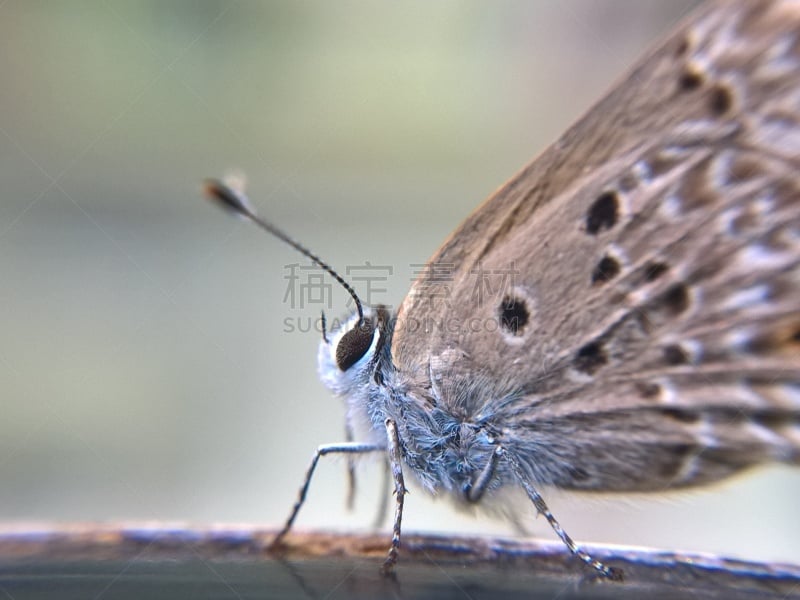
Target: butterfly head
<point>349,354</point>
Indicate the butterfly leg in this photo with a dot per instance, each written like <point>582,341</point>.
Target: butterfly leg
<point>344,448</point>
<point>541,506</point>
<point>383,503</point>
<point>351,468</point>
<point>396,467</point>
<point>474,491</point>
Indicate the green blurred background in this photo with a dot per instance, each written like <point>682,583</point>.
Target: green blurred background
<point>145,367</point>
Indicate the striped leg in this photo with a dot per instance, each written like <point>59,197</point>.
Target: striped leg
<point>344,448</point>
<point>607,572</point>
<point>399,491</point>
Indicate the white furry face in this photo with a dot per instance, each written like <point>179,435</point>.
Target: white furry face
<point>344,382</point>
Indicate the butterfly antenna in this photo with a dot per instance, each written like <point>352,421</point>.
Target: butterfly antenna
<point>234,200</point>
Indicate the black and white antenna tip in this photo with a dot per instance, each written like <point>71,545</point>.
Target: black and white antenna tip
<point>228,193</point>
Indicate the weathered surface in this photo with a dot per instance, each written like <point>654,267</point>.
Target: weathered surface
<point>233,562</point>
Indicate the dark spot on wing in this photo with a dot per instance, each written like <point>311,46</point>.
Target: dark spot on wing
<point>690,79</point>
<point>721,100</point>
<point>654,270</point>
<point>514,314</point>
<point>681,415</point>
<point>605,270</point>
<point>676,298</point>
<point>682,48</point>
<point>603,213</point>
<point>648,389</point>
<point>590,358</point>
<point>675,355</point>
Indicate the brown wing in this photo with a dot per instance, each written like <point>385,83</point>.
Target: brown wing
<point>647,262</point>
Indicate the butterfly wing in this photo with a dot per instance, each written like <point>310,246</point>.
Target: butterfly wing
<point>630,300</point>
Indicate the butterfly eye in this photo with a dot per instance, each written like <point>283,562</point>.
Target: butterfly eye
<point>354,344</point>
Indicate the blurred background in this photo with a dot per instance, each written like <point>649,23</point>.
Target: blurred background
<point>156,362</point>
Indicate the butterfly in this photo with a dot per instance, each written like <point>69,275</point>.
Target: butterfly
<point>642,332</point>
